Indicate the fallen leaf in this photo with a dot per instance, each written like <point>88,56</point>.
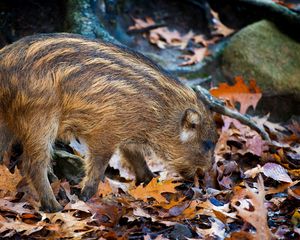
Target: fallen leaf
<point>18,208</point>
<point>257,217</point>
<point>141,24</point>
<point>8,180</point>
<point>104,188</point>
<point>219,26</point>
<point>200,39</point>
<point>241,235</point>
<point>198,55</point>
<point>277,172</point>
<point>154,189</point>
<point>163,37</point>
<point>246,95</point>
<point>217,229</point>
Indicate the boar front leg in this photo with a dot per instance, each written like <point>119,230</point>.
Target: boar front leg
<point>134,154</point>
<point>96,165</point>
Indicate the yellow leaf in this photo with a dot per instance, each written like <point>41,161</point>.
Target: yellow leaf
<point>154,190</point>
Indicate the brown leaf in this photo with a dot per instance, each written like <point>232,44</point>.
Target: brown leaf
<point>16,208</point>
<point>104,188</point>
<point>198,55</point>
<point>220,27</point>
<point>242,235</point>
<point>258,217</point>
<point>11,227</point>
<point>163,37</point>
<point>9,181</point>
<point>66,225</point>
<point>141,24</point>
<point>200,39</point>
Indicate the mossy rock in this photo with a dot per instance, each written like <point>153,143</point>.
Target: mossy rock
<point>262,52</point>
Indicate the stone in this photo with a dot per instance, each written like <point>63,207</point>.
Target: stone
<point>262,52</point>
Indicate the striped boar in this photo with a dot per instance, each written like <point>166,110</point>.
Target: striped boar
<point>57,86</point>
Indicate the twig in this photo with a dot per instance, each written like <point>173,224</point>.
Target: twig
<point>146,29</point>
<point>218,106</point>
<point>196,81</point>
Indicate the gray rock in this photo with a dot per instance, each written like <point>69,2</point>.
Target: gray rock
<point>262,52</point>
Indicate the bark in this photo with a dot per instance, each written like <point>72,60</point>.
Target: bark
<point>287,20</point>
<point>218,106</point>
<point>81,18</point>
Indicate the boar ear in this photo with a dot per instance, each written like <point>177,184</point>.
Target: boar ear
<point>189,123</point>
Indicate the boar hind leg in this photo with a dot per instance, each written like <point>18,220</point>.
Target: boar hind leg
<point>134,154</point>
<point>37,149</point>
<point>96,165</point>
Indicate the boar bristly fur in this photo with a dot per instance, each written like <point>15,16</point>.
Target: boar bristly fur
<point>57,86</point>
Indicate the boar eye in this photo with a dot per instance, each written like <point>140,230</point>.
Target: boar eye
<point>207,145</point>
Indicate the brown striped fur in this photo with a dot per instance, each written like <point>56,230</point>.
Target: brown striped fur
<point>57,86</point>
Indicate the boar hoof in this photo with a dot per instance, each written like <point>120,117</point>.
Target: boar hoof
<point>51,207</point>
<point>87,193</point>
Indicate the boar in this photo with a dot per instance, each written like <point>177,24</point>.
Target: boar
<point>59,86</point>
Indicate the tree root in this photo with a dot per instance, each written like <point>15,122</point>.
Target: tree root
<point>284,18</point>
<point>218,106</point>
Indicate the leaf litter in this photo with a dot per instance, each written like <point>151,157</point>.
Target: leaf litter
<point>196,46</point>
<point>258,196</point>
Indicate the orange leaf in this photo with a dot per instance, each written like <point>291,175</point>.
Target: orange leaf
<point>154,190</point>
<point>104,188</point>
<point>246,95</point>
<point>8,180</point>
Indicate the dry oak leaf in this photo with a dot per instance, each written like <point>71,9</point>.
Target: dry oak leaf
<point>272,170</point>
<point>197,207</point>
<point>240,235</point>
<point>200,39</point>
<point>104,188</point>
<point>141,24</point>
<point>8,180</point>
<point>246,95</point>
<point>18,208</point>
<point>198,55</point>
<point>154,189</point>
<point>9,228</point>
<point>272,127</point>
<point>282,187</point>
<point>242,202</point>
<point>163,37</point>
<point>217,229</point>
<point>219,26</point>
<point>68,226</point>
